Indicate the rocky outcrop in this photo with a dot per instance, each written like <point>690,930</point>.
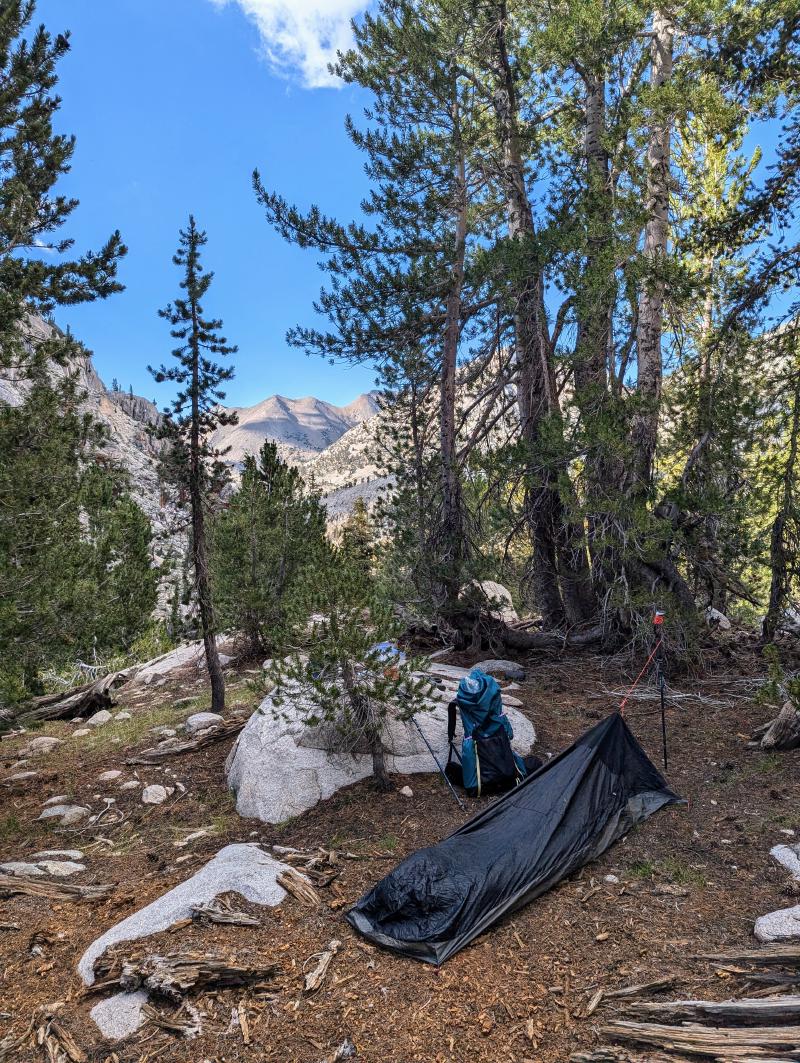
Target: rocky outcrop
<point>243,869</point>
<point>280,766</point>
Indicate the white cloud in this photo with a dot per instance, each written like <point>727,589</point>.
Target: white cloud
<point>301,37</point>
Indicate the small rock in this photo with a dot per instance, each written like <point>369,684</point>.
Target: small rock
<point>783,925</point>
<point>407,791</point>
<point>155,794</point>
<point>100,718</point>
<point>714,618</point>
<point>109,776</point>
<point>21,776</point>
<point>133,784</point>
<point>59,854</point>
<point>503,669</point>
<point>199,721</point>
<point>123,716</point>
<point>612,880</point>
<point>78,719</point>
<point>19,867</point>
<point>183,842</point>
<point>18,765</point>
<point>163,732</point>
<point>59,799</point>
<point>81,732</point>
<point>61,868</point>
<point>789,857</point>
<point>120,1015</point>
<point>42,745</point>
<point>68,814</point>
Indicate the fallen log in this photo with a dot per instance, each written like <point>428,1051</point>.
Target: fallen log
<point>770,955</point>
<point>13,885</point>
<point>618,1055</point>
<point>80,701</point>
<point>746,1010</point>
<point>176,974</point>
<point>492,634</point>
<point>784,731</point>
<point>177,747</point>
<point>718,1043</point>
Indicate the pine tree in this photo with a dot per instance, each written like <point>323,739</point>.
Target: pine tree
<point>406,290</point>
<point>32,159</point>
<point>75,571</point>
<point>192,415</point>
<point>266,544</point>
<point>348,681</point>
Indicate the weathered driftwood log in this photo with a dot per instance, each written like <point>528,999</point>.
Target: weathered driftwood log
<point>190,1026</point>
<point>315,978</point>
<point>13,885</point>
<point>728,1043</point>
<point>78,702</point>
<point>299,887</point>
<point>764,1011</point>
<point>57,1042</point>
<point>784,731</point>
<point>222,911</point>
<point>177,747</point>
<point>769,956</point>
<point>174,975</point>
<point>609,1054</point>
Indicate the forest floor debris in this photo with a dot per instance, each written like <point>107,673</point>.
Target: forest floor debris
<point>497,1001</point>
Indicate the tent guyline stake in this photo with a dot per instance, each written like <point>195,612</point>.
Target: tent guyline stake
<point>657,655</point>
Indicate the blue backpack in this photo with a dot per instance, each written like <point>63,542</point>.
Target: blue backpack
<point>486,763</point>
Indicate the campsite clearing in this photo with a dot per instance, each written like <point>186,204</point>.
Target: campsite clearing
<point>689,881</point>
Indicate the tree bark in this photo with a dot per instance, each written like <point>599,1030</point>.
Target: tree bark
<point>644,424</point>
<point>780,583</point>
<point>560,571</point>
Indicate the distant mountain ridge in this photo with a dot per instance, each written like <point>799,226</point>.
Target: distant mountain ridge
<point>329,444</point>
<point>301,428</point>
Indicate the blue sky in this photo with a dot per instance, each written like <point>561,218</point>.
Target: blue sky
<point>173,103</point>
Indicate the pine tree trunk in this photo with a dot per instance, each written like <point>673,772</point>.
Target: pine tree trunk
<point>560,571</point>
<point>451,532</point>
<point>369,726</point>
<point>651,300</point>
<point>199,544</point>
<point>778,555</point>
<point>593,353</point>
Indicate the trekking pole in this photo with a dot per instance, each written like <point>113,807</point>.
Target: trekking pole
<point>658,628</point>
<point>438,765</point>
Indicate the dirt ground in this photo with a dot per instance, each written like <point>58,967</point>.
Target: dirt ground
<point>518,993</point>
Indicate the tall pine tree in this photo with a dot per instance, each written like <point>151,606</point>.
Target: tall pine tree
<point>192,416</point>
<point>37,273</point>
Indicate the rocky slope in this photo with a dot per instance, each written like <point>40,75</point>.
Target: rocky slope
<point>330,444</point>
